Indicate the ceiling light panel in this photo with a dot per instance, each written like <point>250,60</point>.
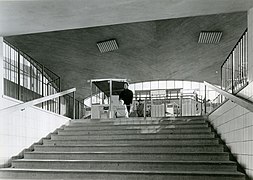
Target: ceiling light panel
<point>209,37</point>
<point>107,46</point>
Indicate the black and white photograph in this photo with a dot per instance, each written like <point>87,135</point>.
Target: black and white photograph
<point>126,89</point>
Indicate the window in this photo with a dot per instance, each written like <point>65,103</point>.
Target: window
<point>170,84</point>
<point>162,84</point>
<point>154,84</point>
<point>146,85</point>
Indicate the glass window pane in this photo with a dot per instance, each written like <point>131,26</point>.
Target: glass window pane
<point>146,85</point>
<point>211,95</point>
<point>154,84</point>
<point>178,84</point>
<point>195,85</point>
<point>131,87</point>
<point>162,84</point>
<point>4,45</point>
<point>170,84</point>
<point>202,86</point>
<point>187,85</point>
<point>138,86</point>
<point>202,93</point>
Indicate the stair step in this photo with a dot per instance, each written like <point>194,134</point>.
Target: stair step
<point>129,148</point>
<point>138,123</point>
<point>138,120</point>
<point>210,156</point>
<point>204,141</point>
<point>158,126</point>
<point>134,148</point>
<point>227,166</point>
<point>120,174</point>
<point>137,131</point>
<point>133,136</point>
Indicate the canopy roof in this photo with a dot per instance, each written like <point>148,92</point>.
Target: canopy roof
<point>104,85</point>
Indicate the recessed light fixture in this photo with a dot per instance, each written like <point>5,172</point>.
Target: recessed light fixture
<point>108,45</point>
<point>209,37</point>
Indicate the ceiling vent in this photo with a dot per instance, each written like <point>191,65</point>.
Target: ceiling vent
<point>107,46</point>
<point>209,37</point>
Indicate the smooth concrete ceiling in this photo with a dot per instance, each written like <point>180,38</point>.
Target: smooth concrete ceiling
<point>163,49</point>
<point>33,16</point>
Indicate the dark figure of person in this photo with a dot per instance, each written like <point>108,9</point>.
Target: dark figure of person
<point>127,96</point>
<point>140,108</point>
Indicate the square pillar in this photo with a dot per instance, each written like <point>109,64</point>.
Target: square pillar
<point>250,45</point>
<point>1,69</point>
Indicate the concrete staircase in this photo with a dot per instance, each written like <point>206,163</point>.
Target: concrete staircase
<point>134,148</point>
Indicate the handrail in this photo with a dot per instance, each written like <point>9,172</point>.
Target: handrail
<point>236,99</point>
<point>22,106</point>
<point>235,77</point>
<point>235,45</point>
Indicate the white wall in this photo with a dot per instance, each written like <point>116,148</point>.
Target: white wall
<point>235,123</point>
<point>20,129</point>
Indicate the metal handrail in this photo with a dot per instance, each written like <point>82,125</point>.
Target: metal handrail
<point>22,106</point>
<point>240,58</point>
<point>236,99</point>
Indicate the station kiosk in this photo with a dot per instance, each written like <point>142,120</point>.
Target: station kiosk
<point>105,102</point>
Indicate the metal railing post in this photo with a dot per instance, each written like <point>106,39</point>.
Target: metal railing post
<point>42,82</point>
<point>221,80</point>
<point>232,69</point>
<point>144,109</point>
<point>59,97</point>
<point>205,100</point>
<point>74,105</point>
<point>19,94</point>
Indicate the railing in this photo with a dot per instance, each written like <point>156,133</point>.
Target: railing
<point>234,70</point>
<point>236,99</point>
<point>26,79</point>
<point>182,104</point>
<point>44,100</point>
<point>215,103</point>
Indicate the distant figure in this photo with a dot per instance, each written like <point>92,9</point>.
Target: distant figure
<point>127,96</point>
<point>140,108</point>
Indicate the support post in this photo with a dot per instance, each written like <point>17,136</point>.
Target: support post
<point>205,100</point>
<point>232,69</point>
<point>144,109</point>
<point>74,105</point>
<point>42,82</point>
<point>19,93</point>
<point>59,88</point>
<point>111,113</point>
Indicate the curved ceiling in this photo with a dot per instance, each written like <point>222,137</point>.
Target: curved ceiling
<point>33,16</point>
<point>153,50</point>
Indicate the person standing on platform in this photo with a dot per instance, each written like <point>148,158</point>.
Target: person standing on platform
<point>127,96</point>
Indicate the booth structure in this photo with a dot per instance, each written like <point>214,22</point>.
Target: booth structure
<point>105,98</point>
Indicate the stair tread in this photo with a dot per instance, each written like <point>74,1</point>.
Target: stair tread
<point>137,133</point>
<point>137,124</point>
<point>143,139</point>
<point>126,161</point>
<point>114,148</point>
<point>127,172</point>
<point>104,152</point>
<point>80,127</point>
<point>135,145</point>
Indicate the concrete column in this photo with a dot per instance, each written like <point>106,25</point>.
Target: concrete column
<point>250,44</point>
<point>1,69</point>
